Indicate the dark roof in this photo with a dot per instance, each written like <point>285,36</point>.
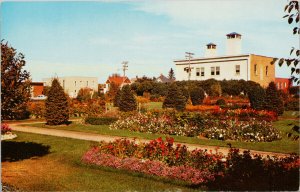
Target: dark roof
<point>233,33</point>
<point>211,44</point>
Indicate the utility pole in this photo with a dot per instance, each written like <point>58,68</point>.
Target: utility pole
<point>189,56</point>
<point>125,67</point>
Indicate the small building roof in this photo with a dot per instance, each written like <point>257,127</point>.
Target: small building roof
<point>118,80</point>
<point>233,33</point>
<point>211,44</point>
<point>164,79</point>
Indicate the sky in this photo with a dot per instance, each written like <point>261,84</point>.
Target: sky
<point>93,38</point>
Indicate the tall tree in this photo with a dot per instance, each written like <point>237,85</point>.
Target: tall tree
<point>127,100</point>
<point>117,98</point>
<point>273,100</point>
<point>15,84</point>
<point>171,75</point>
<point>256,96</point>
<point>175,98</point>
<point>113,89</point>
<point>57,106</point>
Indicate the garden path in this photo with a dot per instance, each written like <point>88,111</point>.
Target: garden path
<point>107,138</point>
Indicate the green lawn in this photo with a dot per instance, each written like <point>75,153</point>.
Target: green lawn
<point>285,145</point>
<point>62,170</point>
<point>153,105</point>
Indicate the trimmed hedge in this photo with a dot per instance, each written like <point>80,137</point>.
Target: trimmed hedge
<point>100,120</point>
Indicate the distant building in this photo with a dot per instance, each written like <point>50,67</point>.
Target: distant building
<point>37,88</point>
<point>283,84</point>
<point>73,84</point>
<point>116,79</point>
<point>164,79</point>
<point>233,65</point>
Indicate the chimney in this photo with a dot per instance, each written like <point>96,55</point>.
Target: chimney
<point>233,44</point>
<point>211,50</point>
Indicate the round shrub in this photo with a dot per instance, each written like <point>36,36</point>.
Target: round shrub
<point>221,102</point>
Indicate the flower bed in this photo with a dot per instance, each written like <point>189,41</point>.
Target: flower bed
<point>244,125</point>
<point>6,132</point>
<point>249,131</point>
<point>158,158</point>
<point>235,171</point>
<point>201,108</point>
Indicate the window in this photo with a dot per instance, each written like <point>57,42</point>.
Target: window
<point>217,70</point>
<point>212,70</point>
<point>255,69</point>
<point>75,83</point>
<point>198,72</point>
<point>267,70</point>
<point>202,71</point>
<point>87,83</point>
<point>284,84</point>
<point>237,69</point>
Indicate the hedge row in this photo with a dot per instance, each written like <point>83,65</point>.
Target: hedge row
<point>100,120</point>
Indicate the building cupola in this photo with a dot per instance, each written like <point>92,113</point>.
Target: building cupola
<point>233,44</point>
<point>211,50</point>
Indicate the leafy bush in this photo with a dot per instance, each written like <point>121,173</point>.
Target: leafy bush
<point>175,98</point>
<point>292,105</point>
<point>100,120</point>
<point>36,109</point>
<point>257,97</point>
<point>197,95</point>
<point>273,100</point>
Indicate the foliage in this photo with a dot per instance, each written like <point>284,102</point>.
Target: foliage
<point>215,90</point>
<point>257,97</point>
<point>36,109</point>
<point>199,108</point>
<point>84,94</point>
<point>273,101</point>
<point>117,98</point>
<point>113,89</point>
<point>5,128</point>
<point>197,95</point>
<point>15,84</point>
<point>292,105</point>
<point>245,172</point>
<point>292,10</point>
<point>127,100</point>
<point>171,75</point>
<point>57,106</point>
<point>100,120</point>
<point>174,98</point>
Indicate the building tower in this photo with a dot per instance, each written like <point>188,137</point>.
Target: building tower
<point>234,44</point>
<point>211,50</point>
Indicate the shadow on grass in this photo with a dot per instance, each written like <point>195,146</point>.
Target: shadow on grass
<point>16,151</point>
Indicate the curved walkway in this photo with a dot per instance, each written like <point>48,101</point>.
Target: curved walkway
<point>108,138</point>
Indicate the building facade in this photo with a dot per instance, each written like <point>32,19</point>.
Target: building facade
<point>283,84</point>
<point>37,88</point>
<point>72,85</point>
<point>116,79</point>
<point>233,65</point>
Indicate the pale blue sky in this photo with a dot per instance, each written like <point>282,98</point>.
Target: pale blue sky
<point>93,38</point>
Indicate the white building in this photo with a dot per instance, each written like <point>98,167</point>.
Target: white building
<point>233,65</point>
<point>73,84</point>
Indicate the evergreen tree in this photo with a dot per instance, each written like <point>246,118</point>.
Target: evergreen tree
<point>256,96</point>
<point>197,95</point>
<point>57,107</point>
<point>117,98</point>
<point>15,84</point>
<point>273,100</point>
<point>127,100</point>
<point>175,98</point>
<point>171,75</point>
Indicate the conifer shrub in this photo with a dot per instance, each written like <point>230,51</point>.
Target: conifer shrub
<point>57,106</point>
<point>117,98</point>
<point>127,100</point>
<point>197,95</point>
<point>175,98</point>
<point>273,100</point>
<point>256,96</point>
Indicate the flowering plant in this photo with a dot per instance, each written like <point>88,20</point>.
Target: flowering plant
<point>5,129</point>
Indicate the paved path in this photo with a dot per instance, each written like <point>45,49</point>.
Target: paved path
<point>108,138</point>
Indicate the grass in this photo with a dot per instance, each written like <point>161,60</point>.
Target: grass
<point>62,170</point>
<point>285,145</point>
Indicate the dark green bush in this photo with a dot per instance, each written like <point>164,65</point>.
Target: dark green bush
<point>100,120</point>
<point>292,105</point>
